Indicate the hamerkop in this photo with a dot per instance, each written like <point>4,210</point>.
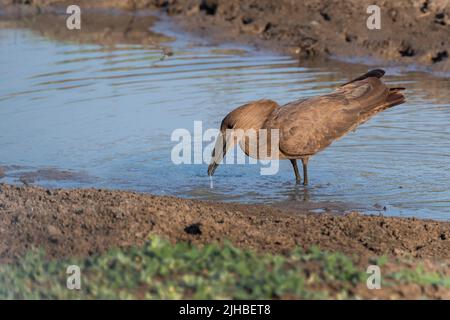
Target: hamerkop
<point>307,126</point>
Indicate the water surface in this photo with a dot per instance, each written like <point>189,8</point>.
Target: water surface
<point>103,117</point>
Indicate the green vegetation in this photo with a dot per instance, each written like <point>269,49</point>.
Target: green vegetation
<point>161,270</point>
<point>420,277</point>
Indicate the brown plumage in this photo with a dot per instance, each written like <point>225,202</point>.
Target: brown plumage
<point>308,126</point>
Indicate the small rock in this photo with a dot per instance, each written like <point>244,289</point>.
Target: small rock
<point>54,233</point>
<point>378,206</point>
<point>193,11</point>
<point>26,181</point>
<point>209,6</point>
<point>193,229</point>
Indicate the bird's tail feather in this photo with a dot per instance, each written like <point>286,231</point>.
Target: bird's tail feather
<point>395,97</point>
<point>396,89</point>
<point>376,73</point>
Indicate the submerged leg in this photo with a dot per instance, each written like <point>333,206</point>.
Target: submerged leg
<point>305,171</point>
<point>298,179</point>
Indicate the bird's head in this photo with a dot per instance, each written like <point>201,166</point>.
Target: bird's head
<point>249,116</point>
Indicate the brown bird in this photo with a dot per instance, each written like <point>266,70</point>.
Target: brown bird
<point>307,126</point>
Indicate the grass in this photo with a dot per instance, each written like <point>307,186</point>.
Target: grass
<point>421,277</point>
<point>161,270</point>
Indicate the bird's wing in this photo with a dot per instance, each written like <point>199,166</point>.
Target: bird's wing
<point>308,126</point>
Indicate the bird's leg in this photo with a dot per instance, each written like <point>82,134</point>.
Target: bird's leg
<point>305,171</point>
<point>298,179</point>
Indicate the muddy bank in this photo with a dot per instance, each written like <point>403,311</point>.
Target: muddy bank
<point>412,32</point>
<point>104,26</point>
<point>83,222</point>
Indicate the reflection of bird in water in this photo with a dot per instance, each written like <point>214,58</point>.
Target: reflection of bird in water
<point>308,126</point>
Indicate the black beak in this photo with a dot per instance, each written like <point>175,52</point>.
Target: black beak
<point>212,168</point>
<point>218,153</point>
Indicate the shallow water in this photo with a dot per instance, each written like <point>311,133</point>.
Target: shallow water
<point>103,117</point>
